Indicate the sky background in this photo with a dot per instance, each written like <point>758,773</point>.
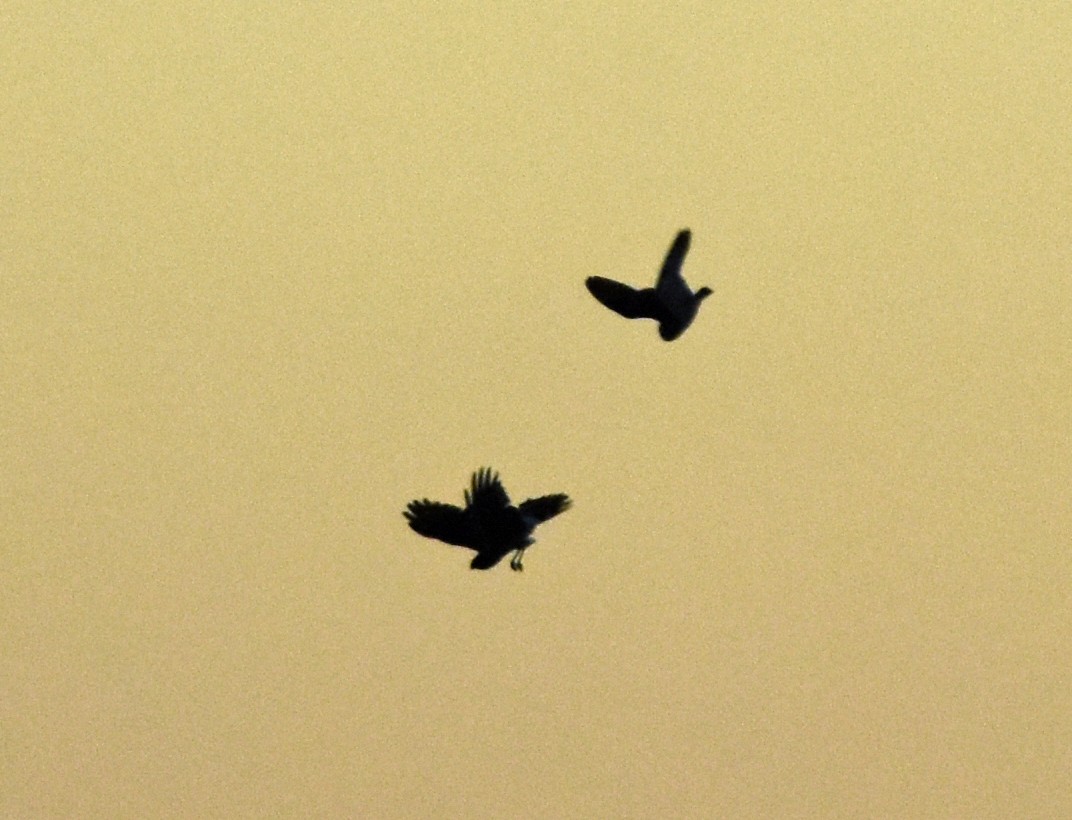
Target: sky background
<point>269,272</point>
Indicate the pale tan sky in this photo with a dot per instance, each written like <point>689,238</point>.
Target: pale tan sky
<point>269,273</point>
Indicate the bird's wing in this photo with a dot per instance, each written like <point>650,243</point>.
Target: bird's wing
<point>544,507</point>
<point>486,494</point>
<point>670,285</point>
<point>444,522</point>
<point>622,299</point>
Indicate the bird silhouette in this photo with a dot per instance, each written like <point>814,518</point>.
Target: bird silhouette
<point>671,302</point>
<point>489,524</point>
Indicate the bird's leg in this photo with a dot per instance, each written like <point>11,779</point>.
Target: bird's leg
<point>515,563</point>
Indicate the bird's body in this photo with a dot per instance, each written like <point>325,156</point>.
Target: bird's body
<point>489,524</point>
<point>671,302</point>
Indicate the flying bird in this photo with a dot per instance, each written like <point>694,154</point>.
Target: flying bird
<point>489,524</point>
<point>671,302</point>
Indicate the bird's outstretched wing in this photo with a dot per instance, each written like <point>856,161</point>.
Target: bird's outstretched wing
<point>622,299</point>
<point>670,274</point>
<point>486,494</point>
<point>444,522</point>
<point>545,507</point>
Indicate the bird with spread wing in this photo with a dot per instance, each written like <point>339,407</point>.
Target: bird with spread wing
<point>489,524</point>
<point>671,302</point>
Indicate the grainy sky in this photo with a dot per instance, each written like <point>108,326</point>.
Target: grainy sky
<point>269,271</point>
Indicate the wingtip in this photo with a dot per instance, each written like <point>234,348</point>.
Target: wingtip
<point>485,475</point>
<point>413,509</point>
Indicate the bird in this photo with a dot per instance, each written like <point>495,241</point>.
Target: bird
<point>490,525</point>
<point>671,302</point>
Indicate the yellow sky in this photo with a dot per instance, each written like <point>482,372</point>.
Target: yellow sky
<point>270,273</point>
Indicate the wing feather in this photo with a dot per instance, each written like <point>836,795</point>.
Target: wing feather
<point>622,299</point>
<point>444,522</point>
<point>675,257</point>
<point>545,507</point>
<point>487,495</point>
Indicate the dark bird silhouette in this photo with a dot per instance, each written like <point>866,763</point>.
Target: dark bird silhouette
<point>489,524</point>
<point>671,302</point>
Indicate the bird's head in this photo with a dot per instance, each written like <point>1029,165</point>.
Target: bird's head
<point>703,293</point>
